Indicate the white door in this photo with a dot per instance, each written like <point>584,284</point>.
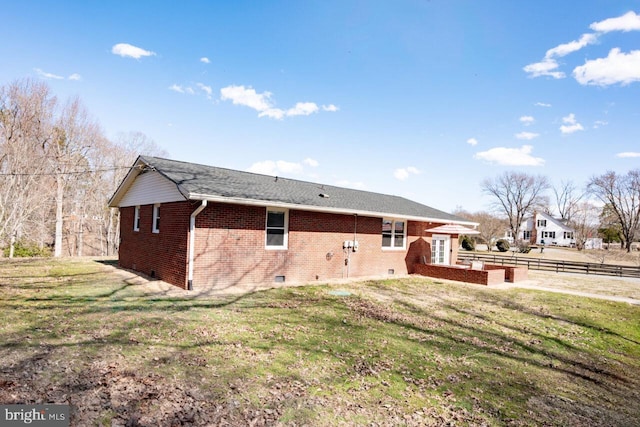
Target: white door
<point>440,246</point>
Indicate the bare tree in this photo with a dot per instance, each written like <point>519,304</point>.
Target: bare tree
<point>26,108</point>
<point>622,194</point>
<point>584,221</point>
<point>490,226</point>
<point>567,197</point>
<point>57,172</point>
<point>516,194</point>
<point>69,153</point>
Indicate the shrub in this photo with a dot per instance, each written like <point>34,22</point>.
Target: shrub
<point>502,245</point>
<point>524,247</point>
<point>467,243</point>
<point>26,250</point>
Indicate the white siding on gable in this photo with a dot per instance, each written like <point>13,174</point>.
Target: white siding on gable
<point>150,188</point>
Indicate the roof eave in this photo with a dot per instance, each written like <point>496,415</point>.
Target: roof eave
<point>134,171</point>
<point>257,202</point>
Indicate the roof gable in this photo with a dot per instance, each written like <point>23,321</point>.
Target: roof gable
<point>201,182</point>
<point>151,187</point>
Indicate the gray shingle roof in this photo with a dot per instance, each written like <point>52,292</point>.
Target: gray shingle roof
<point>197,181</point>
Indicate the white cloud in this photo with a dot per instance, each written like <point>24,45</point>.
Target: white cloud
<point>248,97</point>
<point>628,154</point>
<point>571,119</point>
<point>206,89</point>
<point>603,71</point>
<point>542,104</point>
<point>527,120</point>
<point>404,173</point>
<point>311,162</point>
<point>279,167</point>
<point>545,67</point>
<point>627,22</point>
<point>176,88</point>
<point>302,109</point>
<point>572,46</point>
<point>75,76</point>
<point>273,113</point>
<point>127,50</point>
<point>510,156</point>
<point>527,135</point>
<point>46,75</point>
<point>205,60</point>
<point>472,141</point>
<point>599,123</point>
<point>571,128</point>
<point>401,174</point>
<point>617,67</point>
<point>571,125</point>
<point>261,102</point>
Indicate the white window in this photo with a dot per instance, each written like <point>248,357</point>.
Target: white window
<point>542,223</point>
<point>277,229</point>
<point>394,234</point>
<point>136,219</point>
<point>156,218</point>
<point>550,234</point>
<point>526,235</point>
<point>568,234</point>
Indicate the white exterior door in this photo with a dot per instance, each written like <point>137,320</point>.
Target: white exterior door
<point>440,247</point>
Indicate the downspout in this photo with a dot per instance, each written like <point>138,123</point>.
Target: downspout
<point>192,242</point>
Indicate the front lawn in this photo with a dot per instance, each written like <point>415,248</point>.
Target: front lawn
<point>395,352</point>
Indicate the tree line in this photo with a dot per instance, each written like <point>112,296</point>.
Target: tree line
<point>608,205</point>
<point>57,171</point>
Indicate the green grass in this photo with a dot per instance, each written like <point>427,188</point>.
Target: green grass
<point>394,352</point>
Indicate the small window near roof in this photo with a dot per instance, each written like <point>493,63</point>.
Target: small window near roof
<point>156,218</point>
<point>136,219</point>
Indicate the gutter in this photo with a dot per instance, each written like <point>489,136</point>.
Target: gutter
<point>192,242</point>
<point>274,204</point>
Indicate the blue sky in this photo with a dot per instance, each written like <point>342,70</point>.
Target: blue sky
<point>421,99</point>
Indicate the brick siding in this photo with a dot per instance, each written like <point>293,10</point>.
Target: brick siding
<point>161,255</point>
<point>512,274</point>
<point>230,246</point>
<point>480,277</point>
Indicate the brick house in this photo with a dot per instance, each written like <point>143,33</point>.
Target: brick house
<point>201,226</point>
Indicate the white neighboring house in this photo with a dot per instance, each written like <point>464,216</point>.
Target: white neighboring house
<point>543,227</point>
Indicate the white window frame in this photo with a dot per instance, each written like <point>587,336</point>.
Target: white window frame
<point>155,225</point>
<point>526,234</point>
<point>393,235</point>
<point>136,218</point>
<point>542,223</point>
<point>441,256</point>
<point>285,240</point>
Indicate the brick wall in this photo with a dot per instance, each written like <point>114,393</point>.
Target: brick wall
<point>512,274</point>
<point>162,255</point>
<point>480,277</point>
<point>230,246</point>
